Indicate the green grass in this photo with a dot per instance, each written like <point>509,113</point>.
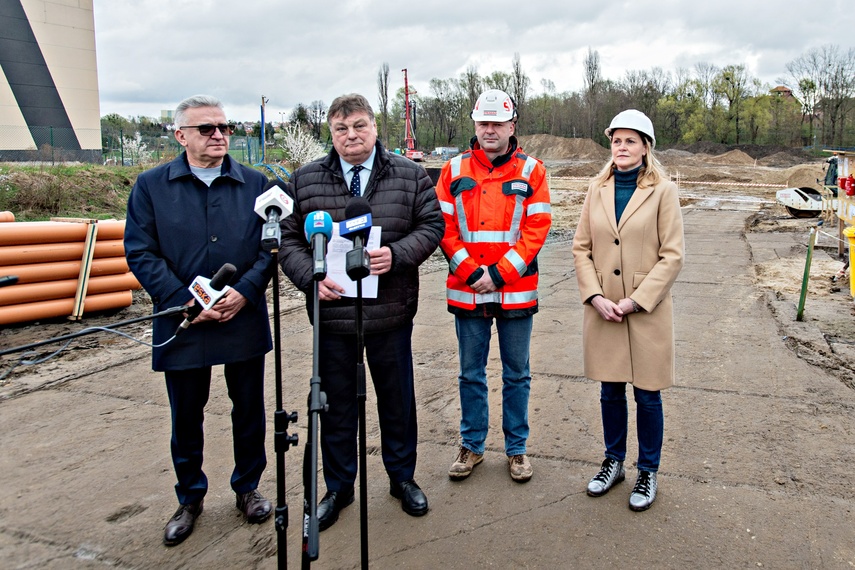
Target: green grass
<point>37,193</point>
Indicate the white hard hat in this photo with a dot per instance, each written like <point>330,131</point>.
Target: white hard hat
<point>635,120</point>
<point>494,106</point>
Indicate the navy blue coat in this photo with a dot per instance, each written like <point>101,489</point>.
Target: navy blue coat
<point>178,228</point>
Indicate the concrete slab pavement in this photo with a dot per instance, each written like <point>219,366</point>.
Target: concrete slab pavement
<point>755,469</point>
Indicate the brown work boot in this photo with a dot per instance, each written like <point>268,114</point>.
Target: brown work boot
<point>520,468</point>
<point>464,464</point>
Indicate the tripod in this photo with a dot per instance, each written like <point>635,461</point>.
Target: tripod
<point>282,442</point>
<point>317,404</point>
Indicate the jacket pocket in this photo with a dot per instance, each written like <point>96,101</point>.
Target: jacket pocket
<point>600,278</point>
<point>461,185</point>
<point>637,278</point>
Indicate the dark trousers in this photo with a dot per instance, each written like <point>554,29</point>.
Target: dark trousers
<point>188,394</point>
<point>390,359</point>
<point>649,420</point>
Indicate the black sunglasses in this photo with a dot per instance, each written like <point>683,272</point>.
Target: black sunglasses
<point>208,130</point>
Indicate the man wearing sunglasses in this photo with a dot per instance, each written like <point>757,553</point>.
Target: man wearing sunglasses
<point>188,218</point>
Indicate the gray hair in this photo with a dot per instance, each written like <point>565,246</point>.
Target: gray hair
<point>346,105</point>
<point>194,102</point>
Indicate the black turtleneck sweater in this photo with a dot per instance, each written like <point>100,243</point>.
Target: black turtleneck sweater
<point>625,184</point>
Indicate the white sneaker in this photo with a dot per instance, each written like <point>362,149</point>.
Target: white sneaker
<point>611,473</point>
<point>644,492</point>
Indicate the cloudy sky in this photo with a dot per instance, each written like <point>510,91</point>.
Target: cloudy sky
<point>153,53</point>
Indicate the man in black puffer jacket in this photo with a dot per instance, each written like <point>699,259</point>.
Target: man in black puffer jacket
<point>404,204</point>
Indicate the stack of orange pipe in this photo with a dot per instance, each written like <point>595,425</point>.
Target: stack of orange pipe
<point>46,258</point>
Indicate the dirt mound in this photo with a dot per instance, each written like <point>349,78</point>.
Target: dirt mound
<point>549,147</point>
<point>732,157</point>
<point>753,150</point>
<point>783,159</point>
<point>795,176</point>
<point>587,170</point>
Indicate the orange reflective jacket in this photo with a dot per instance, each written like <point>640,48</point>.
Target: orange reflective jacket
<point>498,217</point>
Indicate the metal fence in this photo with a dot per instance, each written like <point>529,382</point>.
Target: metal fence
<point>49,144</point>
<point>108,146</point>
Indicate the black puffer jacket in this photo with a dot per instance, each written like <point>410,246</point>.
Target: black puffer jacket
<point>403,202</point>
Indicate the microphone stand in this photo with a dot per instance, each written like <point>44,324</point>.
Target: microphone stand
<point>358,266</point>
<point>282,442</point>
<point>317,404</point>
<point>360,399</point>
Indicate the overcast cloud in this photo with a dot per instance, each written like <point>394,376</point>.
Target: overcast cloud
<point>153,53</point>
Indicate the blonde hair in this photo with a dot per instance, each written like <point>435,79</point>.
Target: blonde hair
<point>650,174</point>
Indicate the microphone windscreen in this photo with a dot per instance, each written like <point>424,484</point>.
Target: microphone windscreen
<point>222,277</point>
<point>318,222</point>
<point>357,206</point>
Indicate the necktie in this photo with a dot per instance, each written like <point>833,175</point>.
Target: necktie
<point>355,184</point>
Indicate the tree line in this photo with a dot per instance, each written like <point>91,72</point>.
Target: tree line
<point>814,105</point>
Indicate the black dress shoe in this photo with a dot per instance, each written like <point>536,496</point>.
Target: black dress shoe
<point>413,499</point>
<point>181,524</point>
<point>254,506</point>
<point>329,507</point>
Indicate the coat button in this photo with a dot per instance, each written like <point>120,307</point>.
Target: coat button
<point>213,238</point>
<point>617,271</point>
<point>617,242</point>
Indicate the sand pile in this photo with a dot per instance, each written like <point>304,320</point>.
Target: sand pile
<point>782,160</point>
<point>795,176</point>
<point>734,157</point>
<point>548,147</point>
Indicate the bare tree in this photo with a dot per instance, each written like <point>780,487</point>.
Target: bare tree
<point>519,83</point>
<point>316,114</point>
<point>826,77</point>
<point>593,81</point>
<point>471,85</point>
<point>383,91</point>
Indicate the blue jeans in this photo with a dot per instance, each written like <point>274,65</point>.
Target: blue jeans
<point>650,423</point>
<point>473,341</point>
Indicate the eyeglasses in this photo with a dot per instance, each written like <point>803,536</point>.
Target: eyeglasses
<point>208,130</point>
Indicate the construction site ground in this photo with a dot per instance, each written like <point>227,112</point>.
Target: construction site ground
<point>759,431</point>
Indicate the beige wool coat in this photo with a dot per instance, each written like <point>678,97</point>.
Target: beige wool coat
<point>638,258</point>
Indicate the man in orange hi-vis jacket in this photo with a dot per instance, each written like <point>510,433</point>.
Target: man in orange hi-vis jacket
<point>495,200</point>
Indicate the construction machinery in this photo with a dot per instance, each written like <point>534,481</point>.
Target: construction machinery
<point>409,112</point>
<point>808,202</point>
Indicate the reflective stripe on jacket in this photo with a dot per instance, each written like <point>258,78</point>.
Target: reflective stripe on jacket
<point>498,217</point>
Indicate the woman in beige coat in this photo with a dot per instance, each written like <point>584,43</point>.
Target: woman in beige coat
<point>628,251</point>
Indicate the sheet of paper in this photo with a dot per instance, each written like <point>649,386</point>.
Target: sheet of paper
<point>336,269</point>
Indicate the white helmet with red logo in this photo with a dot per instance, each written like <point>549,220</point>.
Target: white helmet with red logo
<point>494,106</point>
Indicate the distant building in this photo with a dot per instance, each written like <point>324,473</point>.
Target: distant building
<point>166,116</point>
<point>48,81</point>
<point>782,91</point>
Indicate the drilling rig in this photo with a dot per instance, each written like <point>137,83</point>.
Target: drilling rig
<point>409,139</point>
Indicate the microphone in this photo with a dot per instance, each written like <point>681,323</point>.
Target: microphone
<point>318,231</point>
<point>8,280</point>
<point>272,205</point>
<point>356,227</point>
<point>207,292</point>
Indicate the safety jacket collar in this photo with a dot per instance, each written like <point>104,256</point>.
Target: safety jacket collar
<point>479,154</point>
